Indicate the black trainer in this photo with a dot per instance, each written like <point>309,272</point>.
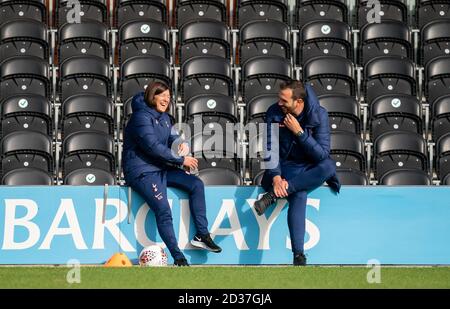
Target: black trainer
<point>299,259</point>
<point>264,202</point>
<point>205,242</point>
<point>181,262</point>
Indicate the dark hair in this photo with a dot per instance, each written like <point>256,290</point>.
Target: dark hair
<point>298,90</point>
<point>154,88</point>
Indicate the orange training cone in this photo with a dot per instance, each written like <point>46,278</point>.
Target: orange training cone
<point>118,260</point>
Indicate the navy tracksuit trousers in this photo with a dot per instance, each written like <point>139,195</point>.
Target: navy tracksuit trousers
<point>301,179</point>
<point>152,187</point>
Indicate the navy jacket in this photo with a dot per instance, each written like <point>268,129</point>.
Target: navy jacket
<point>148,137</point>
<point>312,146</point>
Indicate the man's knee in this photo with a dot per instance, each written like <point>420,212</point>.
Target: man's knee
<point>197,185</point>
<point>297,197</point>
<point>327,167</point>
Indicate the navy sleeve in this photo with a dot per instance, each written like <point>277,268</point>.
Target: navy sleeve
<point>317,145</point>
<point>144,134</point>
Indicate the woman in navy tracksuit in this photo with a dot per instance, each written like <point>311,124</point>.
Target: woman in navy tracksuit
<point>150,165</point>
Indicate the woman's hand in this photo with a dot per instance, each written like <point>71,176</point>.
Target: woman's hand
<point>183,149</point>
<point>190,162</point>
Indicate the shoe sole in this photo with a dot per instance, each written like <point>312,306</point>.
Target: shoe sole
<point>201,245</point>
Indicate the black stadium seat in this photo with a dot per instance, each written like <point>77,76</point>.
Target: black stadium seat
<point>142,38</point>
<point>395,113</point>
<point>18,9</point>
<point>87,38</point>
<point>435,40</point>
<point>390,38</point>
<point>89,177</point>
<point>204,37</point>
<point>389,10</point>
<point>343,112</point>
<point>27,177</point>
<point>437,78</point>
<point>89,10</point>
<point>26,149</point>
<point>440,117</point>
<point>206,75</point>
<point>249,10</point>
<point>128,10</point>
<point>263,75</point>
<point>330,75</point>
<point>389,75</point>
<point>258,106</point>
<point>352,177</point>
<point>84,74</point>
<point>400,149</point>
<point>220,177</point>
<point>26,112</point>
<point>87,112</point>
<point>443,156</point>
<point>429,10</point>
<point>325,38</point>
<point>137,72</point>
<point>313,10</point>
<point>23,37</point>
<point>88,150</point>
<point>24,75</point>
<point>264,38</point>
<point>212,108</point>
<point>405,177</point>
<point>347,149</point>
<point>188,10</point>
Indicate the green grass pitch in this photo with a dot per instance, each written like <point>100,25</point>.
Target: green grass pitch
<point>247,277</point>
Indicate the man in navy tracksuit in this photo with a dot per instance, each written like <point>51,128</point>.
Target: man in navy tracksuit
<point>150,165</point>
<point>304,162</point>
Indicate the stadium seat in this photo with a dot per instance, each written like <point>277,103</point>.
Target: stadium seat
<point>206,75</point>
<point>26,112</point>
<point>400,149</point>
<point>128,10</point>
<point>313,10</point>
<point>142,38</point>
<point>258,106</point>
<point>325,38</point>
<point>263,75</point>
<point>437,78</point>
<point>27,149</point>
<point>24,75</point>
<point>429,10</point>
<point>89,10</point>
<point>188,10</point>
<point>84,74</point>
<point>206,162</point>
<point>27,176</point>
<point>18,9</point>
<point>330,75</point>
<point>443,156</point>
<point>352,177</point>
<point>389,10</point>
<point>395,113</point>
<point>211,108</point>
<point>405,177</point>
<point>88,150</point>
<point>347,150</point>
<point>343,112</point>
<point>89,177</point>
<point>250,10</point>
<point>256,154</point>
<point>435,40</point>
<point>264,38</point>
<point>214,143</point>
<point>139,71</point>
<point>440,117</point>
<point>87,112</point>
<point>204,37</point>
<point>219,177</point>
<point>391,38</point>
<point>23,37</point>
<point>87,38</point>
<point>389,75</point>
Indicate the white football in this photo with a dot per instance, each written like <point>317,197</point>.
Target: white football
<point>153,256</point>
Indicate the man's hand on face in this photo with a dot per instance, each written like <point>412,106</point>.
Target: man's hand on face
<point>280,186</point>
<point>292,124</point>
